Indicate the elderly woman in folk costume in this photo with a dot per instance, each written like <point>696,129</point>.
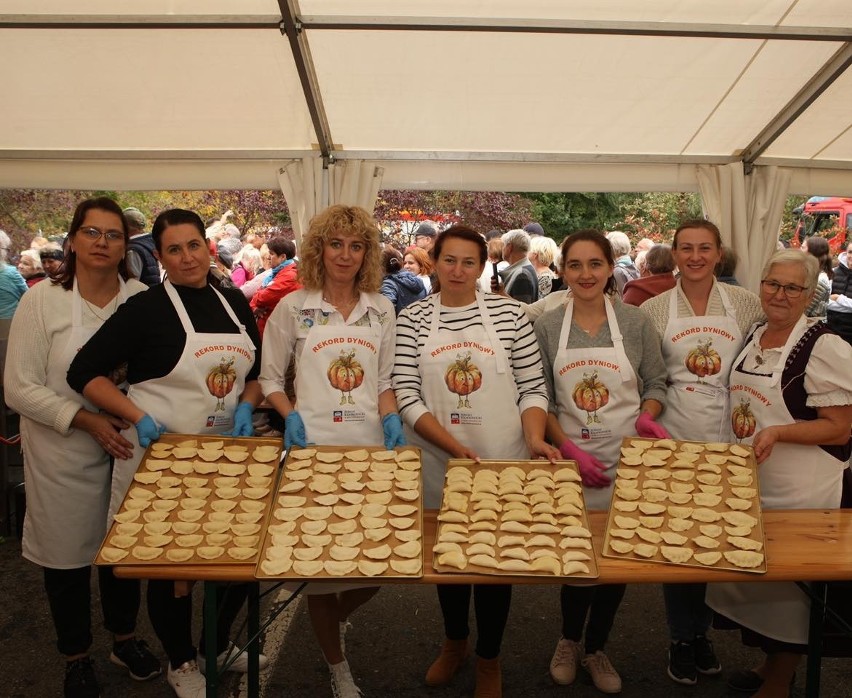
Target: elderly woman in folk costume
<point>793,404</point>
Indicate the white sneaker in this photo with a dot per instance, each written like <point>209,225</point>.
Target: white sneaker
<point>239,665</point>
<point>342,683</point>
<point>187,680</point>
<point>344,626</point>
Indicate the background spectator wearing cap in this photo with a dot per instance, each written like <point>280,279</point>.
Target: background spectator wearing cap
<point>12,284</point>
<point>533,229</point>
<point>51,256</point>
<point>424,235</point>
<point>141,262</point>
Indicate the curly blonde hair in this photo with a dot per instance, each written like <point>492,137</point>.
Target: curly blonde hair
<point>341,220</point>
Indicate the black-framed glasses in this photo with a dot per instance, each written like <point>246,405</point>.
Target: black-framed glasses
<point>94,234</point>
<point>790,290</point>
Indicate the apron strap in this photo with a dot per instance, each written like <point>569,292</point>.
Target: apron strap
<point>187,323</point>
<point>626,369</point>
<point>485,316</point>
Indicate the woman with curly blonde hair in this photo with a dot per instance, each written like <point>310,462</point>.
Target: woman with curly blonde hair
<point>338,318</point>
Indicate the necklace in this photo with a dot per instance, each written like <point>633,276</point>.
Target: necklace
<point>343,304</point>
<point>103,313</point>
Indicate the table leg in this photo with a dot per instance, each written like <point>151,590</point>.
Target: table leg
<point>815,630</point>
<point>253,632</point>
<point>211,621</point>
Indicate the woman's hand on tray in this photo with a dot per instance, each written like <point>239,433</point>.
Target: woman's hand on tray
<point>591,469</point>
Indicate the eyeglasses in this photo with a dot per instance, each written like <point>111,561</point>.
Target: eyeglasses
<point>790,290</point>
<point>94,234</point>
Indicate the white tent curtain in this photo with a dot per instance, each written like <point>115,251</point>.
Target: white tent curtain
<point>747,209</point>
<point>308,188</point>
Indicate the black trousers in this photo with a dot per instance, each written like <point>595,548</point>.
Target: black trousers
<point>491,604</point>
<point>69,595</point>
<point>171,618</point>
<point>600,603</point>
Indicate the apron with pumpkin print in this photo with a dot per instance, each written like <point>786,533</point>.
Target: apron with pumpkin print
<point>597,399</point>
<point>200,393</point>
<point>699,352</point>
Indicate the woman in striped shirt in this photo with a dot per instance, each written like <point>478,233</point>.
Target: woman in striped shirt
<point>469,384</point>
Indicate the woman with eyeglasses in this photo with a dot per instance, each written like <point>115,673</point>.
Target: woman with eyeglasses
<point>791,397</point>
<point>701,324</point>
<point>67,444</point>
<point>170,338</point>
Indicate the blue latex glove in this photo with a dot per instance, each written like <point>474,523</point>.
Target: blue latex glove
<point>242,420</point>
<point>147,430</point>
<point>294,431</point>
<point>591,469</point>
<point>649,429</point>
<point>392,430</point>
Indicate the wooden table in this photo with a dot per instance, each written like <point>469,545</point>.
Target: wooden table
<point>801,546</point>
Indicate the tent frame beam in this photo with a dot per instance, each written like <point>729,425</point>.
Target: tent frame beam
<point>425,24</point>
<point>809,93</point>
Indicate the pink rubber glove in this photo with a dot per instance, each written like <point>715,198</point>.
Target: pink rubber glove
<point>648,428</point>
<point>591,469</point>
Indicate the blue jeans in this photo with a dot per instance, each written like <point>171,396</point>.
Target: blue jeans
<point>686,612</point>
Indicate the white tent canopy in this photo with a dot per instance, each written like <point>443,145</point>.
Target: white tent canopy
<point>587,95</point>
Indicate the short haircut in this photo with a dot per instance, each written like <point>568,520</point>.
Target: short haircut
<point>519,239</point>
<point>176,216</point>
<point>462,232</point>
<point>659,260</point>
<point>727,266</point>
<point>346,221</point>
<point>545,249</point>
<point>280,245</point>
<point>808,263</point>
<point>619,242</point>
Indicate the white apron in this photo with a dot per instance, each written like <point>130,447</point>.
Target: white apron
<point>182,401</point>
<point>793,477</point>
<point>697,405</point>
<point>337,384</point>
<point>67,476</point>
<point>608,395</point>
<point>469,388</point>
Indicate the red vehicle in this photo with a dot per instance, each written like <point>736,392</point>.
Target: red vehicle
<point>826,216</point>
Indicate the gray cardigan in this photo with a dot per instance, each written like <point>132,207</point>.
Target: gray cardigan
<point>641,344</point>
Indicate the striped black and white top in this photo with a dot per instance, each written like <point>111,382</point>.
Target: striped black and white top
<point>512,327</point>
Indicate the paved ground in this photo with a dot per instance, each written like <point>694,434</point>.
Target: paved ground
<point>393,640</point>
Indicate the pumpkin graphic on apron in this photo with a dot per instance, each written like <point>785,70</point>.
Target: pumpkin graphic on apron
<point>345,373</point>
<point>704,360</point>
<point>220,381</point>
<point>590,395</point>
<point>463,377</point>
<point>743,422</point>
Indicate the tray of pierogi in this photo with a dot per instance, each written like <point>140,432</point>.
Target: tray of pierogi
<point>195,499</point>
<point>514,518</point>
<point>346,512</point>
<point>687,503</point>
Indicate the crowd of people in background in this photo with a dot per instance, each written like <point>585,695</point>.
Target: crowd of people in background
<point>532,307</point>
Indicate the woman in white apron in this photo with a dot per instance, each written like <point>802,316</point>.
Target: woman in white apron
<point>791,393</point>
<point>702,325</point>
<point>337,319</point>
<point>67,443</point>
<point>606,380</point>
<point>462,331</point>
<point>170,338</point>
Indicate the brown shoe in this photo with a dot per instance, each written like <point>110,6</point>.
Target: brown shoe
<point>453,654</point>
<point>489,681</point>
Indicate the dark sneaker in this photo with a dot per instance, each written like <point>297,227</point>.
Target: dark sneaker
<point>135,656</point>
<point>80,680</point>
<point>682,667</point>
<point>745,681</point>
<point>706,660</point>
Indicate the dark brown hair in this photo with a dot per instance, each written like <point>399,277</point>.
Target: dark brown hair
<point>598,238</point>
<point>68,270</point>
<point>461,232</point>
